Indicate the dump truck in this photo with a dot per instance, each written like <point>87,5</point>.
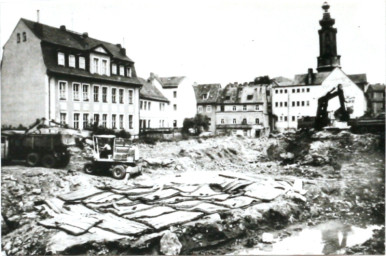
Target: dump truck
<point>116,155</point>
<point>36,147</point>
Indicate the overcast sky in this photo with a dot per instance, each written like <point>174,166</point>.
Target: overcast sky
<point>219,41</point>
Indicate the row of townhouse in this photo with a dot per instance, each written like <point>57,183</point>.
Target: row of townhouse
<point>80,81</point>
<point>237,108</point>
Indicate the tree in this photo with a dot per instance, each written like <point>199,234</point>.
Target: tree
<point>198,124</point>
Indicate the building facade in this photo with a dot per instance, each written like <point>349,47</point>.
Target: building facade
<point>68,77</point>
<point>206,97</point>
<point>291,101</point>
<point>155,111</point>
<point>180,93</point>
<point>375,94</point>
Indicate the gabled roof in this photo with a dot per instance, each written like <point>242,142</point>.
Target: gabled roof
<point>282,81</point>
<point>149,91</point>
<point>358,78</point>
<point>72,39</point>
<point>317,78</point>
<point>170,82</point>
<point>242,93</point>
<point>211,91</point>
<point>377,87</point>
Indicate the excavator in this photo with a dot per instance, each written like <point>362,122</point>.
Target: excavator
<point>341,114</point>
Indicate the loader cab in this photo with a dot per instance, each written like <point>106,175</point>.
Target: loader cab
<point>103,146</point>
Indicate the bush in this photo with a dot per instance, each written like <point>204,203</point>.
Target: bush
<point>198,124</point>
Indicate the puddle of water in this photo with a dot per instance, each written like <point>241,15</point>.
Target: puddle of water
<point>326,238</point>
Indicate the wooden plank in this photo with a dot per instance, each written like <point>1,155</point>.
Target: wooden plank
<point>80,194</point>
<point>185,204</point>
<point>103,198</point>
<point>122,210</point>
<point>238,202</point>
<point>160,194</point>
<point>209,208</point>
<point>263,192</point>
<point>170,219</point>
<point>152,212</point>
<point>204,190</point>
<point>120,225</point>
<point>133,191</point>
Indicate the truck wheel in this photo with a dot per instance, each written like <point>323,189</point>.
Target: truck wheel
<point>49,161</point>
<point>88,168</point>
<point>119,172</point>
<point>32,159</point>
<point>65,160</point>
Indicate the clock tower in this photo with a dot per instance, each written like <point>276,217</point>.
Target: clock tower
<point>328,58</point>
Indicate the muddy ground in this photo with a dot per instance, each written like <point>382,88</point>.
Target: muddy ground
<point>342,176</point>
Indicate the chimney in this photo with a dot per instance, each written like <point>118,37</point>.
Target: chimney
<point>63,28</point>
<point>119,45</point>
<point>85,35</point>
<point>310,76</point>
<point>38,16</point>
<point>122,51</point>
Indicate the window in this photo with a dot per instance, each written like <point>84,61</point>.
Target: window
<point>285,118</point>
<point>24,37</point>
<point>76,121</point>
<point>148,123</point>
<point>145,105</point>
<point>209,121</point>
<point>104,67</point>
<point>113,95</point>
<point>276,104</point>
<point>308,89</point>
<point>122,70</point>
<point>234,120</point>
<point>95,66</point>
<point>130,96</point>
<point>163,123</point>
<point>121,96</point>
<point>120,121</point>
<point>285,104</point>
<point>250,97</point>
<point>293,118</point>
<point>96,119</point>
<point>128,72</point>
<point>293,90</point>
<point>104,94</point>
<point>281,104</point>
<point>302,103</point>
<point>114,69</point>
<point>18,37</point>
<point>75,90</point>
<point>234,108</point>
<point>298,90</point>
<point>104,120</point>
<point>175,107</point>
<point>175,123</point>
<point>62,90</point>
<point>149,105</point>
<point>130,121</point>
<point>302,89</point>
<point>71,61</point>
<point>85,121</point>
<point>227,97</point>
<point>82,63</point>
<point>276,91</point>
<point>256,107</point>
<point>257,121</point>
<point>281,91</point>
<point>298,103</point>
<point>208,108</point>
<point>174,94</point>
<point>244,107</point>
<point>281,118</point>
<point>308,103</point>
<point>285,91</point>
<point>222,121</point>
<point>61,58</point>
<point>222,108</point>
<point>113,121</point>
<point>96,93</point>
<point>204,96</point>
<point>140,105</point>
<point>63,118</point>
<point>85,92</point>
<point>293,103</point>
<point>199,109</point>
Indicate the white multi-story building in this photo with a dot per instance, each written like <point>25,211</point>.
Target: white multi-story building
<point>179,91</point>
<point>155,111</point>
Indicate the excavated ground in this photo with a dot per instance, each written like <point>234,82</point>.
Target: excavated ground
<point>199,196</point>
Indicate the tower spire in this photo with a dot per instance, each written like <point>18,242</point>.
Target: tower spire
<point>328,58</point>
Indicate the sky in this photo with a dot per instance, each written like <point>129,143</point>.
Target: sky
<point>219,41</point>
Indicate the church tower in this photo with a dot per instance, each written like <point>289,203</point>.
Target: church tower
<point>328,58</point>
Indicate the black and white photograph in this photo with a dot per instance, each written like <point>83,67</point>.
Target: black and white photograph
<point>181,127</point>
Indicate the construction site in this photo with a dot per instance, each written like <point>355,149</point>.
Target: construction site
<point>201,195</point>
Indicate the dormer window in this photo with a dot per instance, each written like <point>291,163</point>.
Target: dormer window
<point>24,37</point>
<point>61,58</point>
<point>114,69</point>
<point>71,61</point>
<point>18,38</point>
<point>227,97</point>
<point>249,97</point>
<point>204,96</point>
<point>121,70</point>
<point>95,64</point>
<point>104,67</point>
<point>129,72</point>
<point>82,63</point>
